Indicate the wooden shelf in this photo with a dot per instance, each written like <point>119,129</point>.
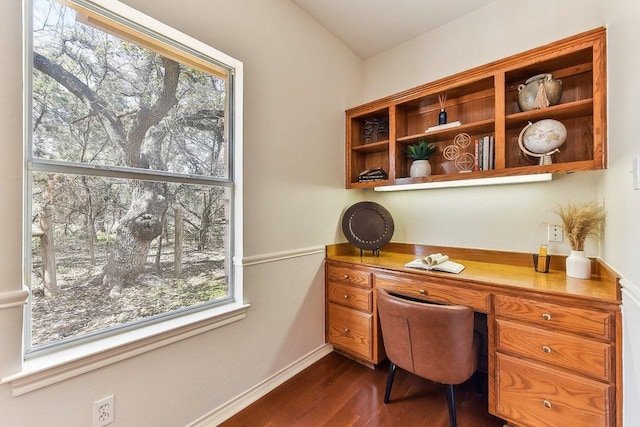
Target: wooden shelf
<point>483,126</point>
<point>373,147</point>
<point>484,100</point>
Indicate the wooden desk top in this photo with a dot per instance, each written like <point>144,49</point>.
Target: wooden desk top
<point>510,270</point>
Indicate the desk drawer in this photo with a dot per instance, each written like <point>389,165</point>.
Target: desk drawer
<point>529,394</point>
<point>350,296</point>
<point>550,315</point>
<point>351,331</point>
<point>423,289</point>
<point>348,276</point>
<point>578,354</point>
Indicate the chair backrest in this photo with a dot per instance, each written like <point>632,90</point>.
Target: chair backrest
<point>431,340</point>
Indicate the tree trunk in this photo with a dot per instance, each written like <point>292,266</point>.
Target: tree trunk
<point>138,227</point>
<point>143,221</point>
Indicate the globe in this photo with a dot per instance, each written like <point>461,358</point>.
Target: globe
<point>543,137</point>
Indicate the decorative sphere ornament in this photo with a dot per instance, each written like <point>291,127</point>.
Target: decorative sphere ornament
<point>542,139</point>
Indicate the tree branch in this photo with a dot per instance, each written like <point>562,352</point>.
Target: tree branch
<point>151,116</point>
<point>111,123</point>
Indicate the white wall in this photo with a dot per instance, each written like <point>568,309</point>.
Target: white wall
<point>514,217</point>
<point>298,81</point>
<point>510,217</point>
<point>622,240</point>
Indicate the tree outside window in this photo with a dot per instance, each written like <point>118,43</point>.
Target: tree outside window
<point>130,177</point>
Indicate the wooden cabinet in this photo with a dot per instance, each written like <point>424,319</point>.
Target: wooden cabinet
<point>554,363</point>
<point>484,101</point>
<point>351,323</point>
<point>554,344</point>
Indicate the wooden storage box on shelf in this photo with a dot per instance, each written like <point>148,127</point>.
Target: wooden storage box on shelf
<point>484,100</point>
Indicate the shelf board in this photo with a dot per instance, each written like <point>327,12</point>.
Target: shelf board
<point>370,184</point>
<point>471,182</point>
<point>457,180</point>
<point>558,112</point>
<point>479,127</point>
<point>373,147</point>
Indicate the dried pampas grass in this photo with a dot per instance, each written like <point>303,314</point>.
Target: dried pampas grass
<point>580,221</point>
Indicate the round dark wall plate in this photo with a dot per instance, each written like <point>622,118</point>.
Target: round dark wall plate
<point>367,225</point>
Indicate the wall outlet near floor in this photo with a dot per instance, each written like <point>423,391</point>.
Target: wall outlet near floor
<point>103,411</point>
<point>555,233</point>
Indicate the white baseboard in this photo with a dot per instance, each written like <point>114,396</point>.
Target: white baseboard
<point>235,405</point>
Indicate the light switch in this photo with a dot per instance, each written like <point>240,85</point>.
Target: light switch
<point>636,173</point>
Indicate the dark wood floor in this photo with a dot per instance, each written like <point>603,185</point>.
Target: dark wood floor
<point>336,391</point>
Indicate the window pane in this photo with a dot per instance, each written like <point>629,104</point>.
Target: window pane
<point>112,245</point>
<point>103,100</point>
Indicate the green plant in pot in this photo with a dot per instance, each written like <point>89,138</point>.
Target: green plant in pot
<point>420,153</point>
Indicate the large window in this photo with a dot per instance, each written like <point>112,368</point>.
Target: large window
<point>129,180</point>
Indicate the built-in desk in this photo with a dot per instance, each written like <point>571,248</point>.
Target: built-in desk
<point>554,342</point>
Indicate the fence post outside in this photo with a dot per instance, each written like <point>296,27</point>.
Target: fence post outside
<point>177,254</point>
<point>47,249</point>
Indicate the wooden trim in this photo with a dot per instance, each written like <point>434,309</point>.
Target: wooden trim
<point>126,32</point>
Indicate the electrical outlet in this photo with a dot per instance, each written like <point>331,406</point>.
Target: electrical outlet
<point>103,411</point>
<point>555,233</point>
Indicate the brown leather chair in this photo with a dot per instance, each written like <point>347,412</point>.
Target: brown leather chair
<point>433,341</point>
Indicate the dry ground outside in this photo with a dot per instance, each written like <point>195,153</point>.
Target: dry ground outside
<point>83,305</point>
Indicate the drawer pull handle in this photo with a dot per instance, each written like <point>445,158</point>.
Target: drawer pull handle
<point>422,291</point>
<point>346,330</point>
<point>346,276</point>
<point>546,349</point>
<point>346,296</point>
<point>546,316</point>
<point>546,403</point>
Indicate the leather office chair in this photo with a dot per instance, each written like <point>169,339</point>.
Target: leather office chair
<point>436,342</point>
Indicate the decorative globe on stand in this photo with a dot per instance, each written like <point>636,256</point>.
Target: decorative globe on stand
<point>542,139</point>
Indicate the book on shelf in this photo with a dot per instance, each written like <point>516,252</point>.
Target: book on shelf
<point>444,126</point>
<point>436,262</point>
<point>484,153</point>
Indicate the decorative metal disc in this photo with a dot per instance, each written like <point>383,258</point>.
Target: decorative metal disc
<point>465,161</point>
<point>451,152</point>
<point>462,140</point>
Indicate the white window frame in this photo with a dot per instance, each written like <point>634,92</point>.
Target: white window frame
<point>57,364</point>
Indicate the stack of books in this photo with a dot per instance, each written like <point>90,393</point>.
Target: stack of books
<point>485,153</point>
<point>375,174</point>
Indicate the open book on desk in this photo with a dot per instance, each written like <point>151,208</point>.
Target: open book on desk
<point>436,262</point>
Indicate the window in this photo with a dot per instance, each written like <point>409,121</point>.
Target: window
<point>130,175</point>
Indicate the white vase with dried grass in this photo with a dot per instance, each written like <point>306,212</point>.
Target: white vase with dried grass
<point>579,222</point>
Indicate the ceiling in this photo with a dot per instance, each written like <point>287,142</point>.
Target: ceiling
<point>370,27</point>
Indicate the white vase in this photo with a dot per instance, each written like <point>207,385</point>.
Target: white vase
<point>578,265</point>
<point>420,168</point>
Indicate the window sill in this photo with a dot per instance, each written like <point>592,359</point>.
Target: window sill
<point>52,368</point>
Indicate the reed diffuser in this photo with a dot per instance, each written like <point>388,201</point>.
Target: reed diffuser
<point>442,117</point>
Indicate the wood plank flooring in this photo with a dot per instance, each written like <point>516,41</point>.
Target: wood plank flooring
<point>337,391</point>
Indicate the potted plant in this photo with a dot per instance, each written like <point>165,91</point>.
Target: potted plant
<point>420,153</point>
<point>579,222</point>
